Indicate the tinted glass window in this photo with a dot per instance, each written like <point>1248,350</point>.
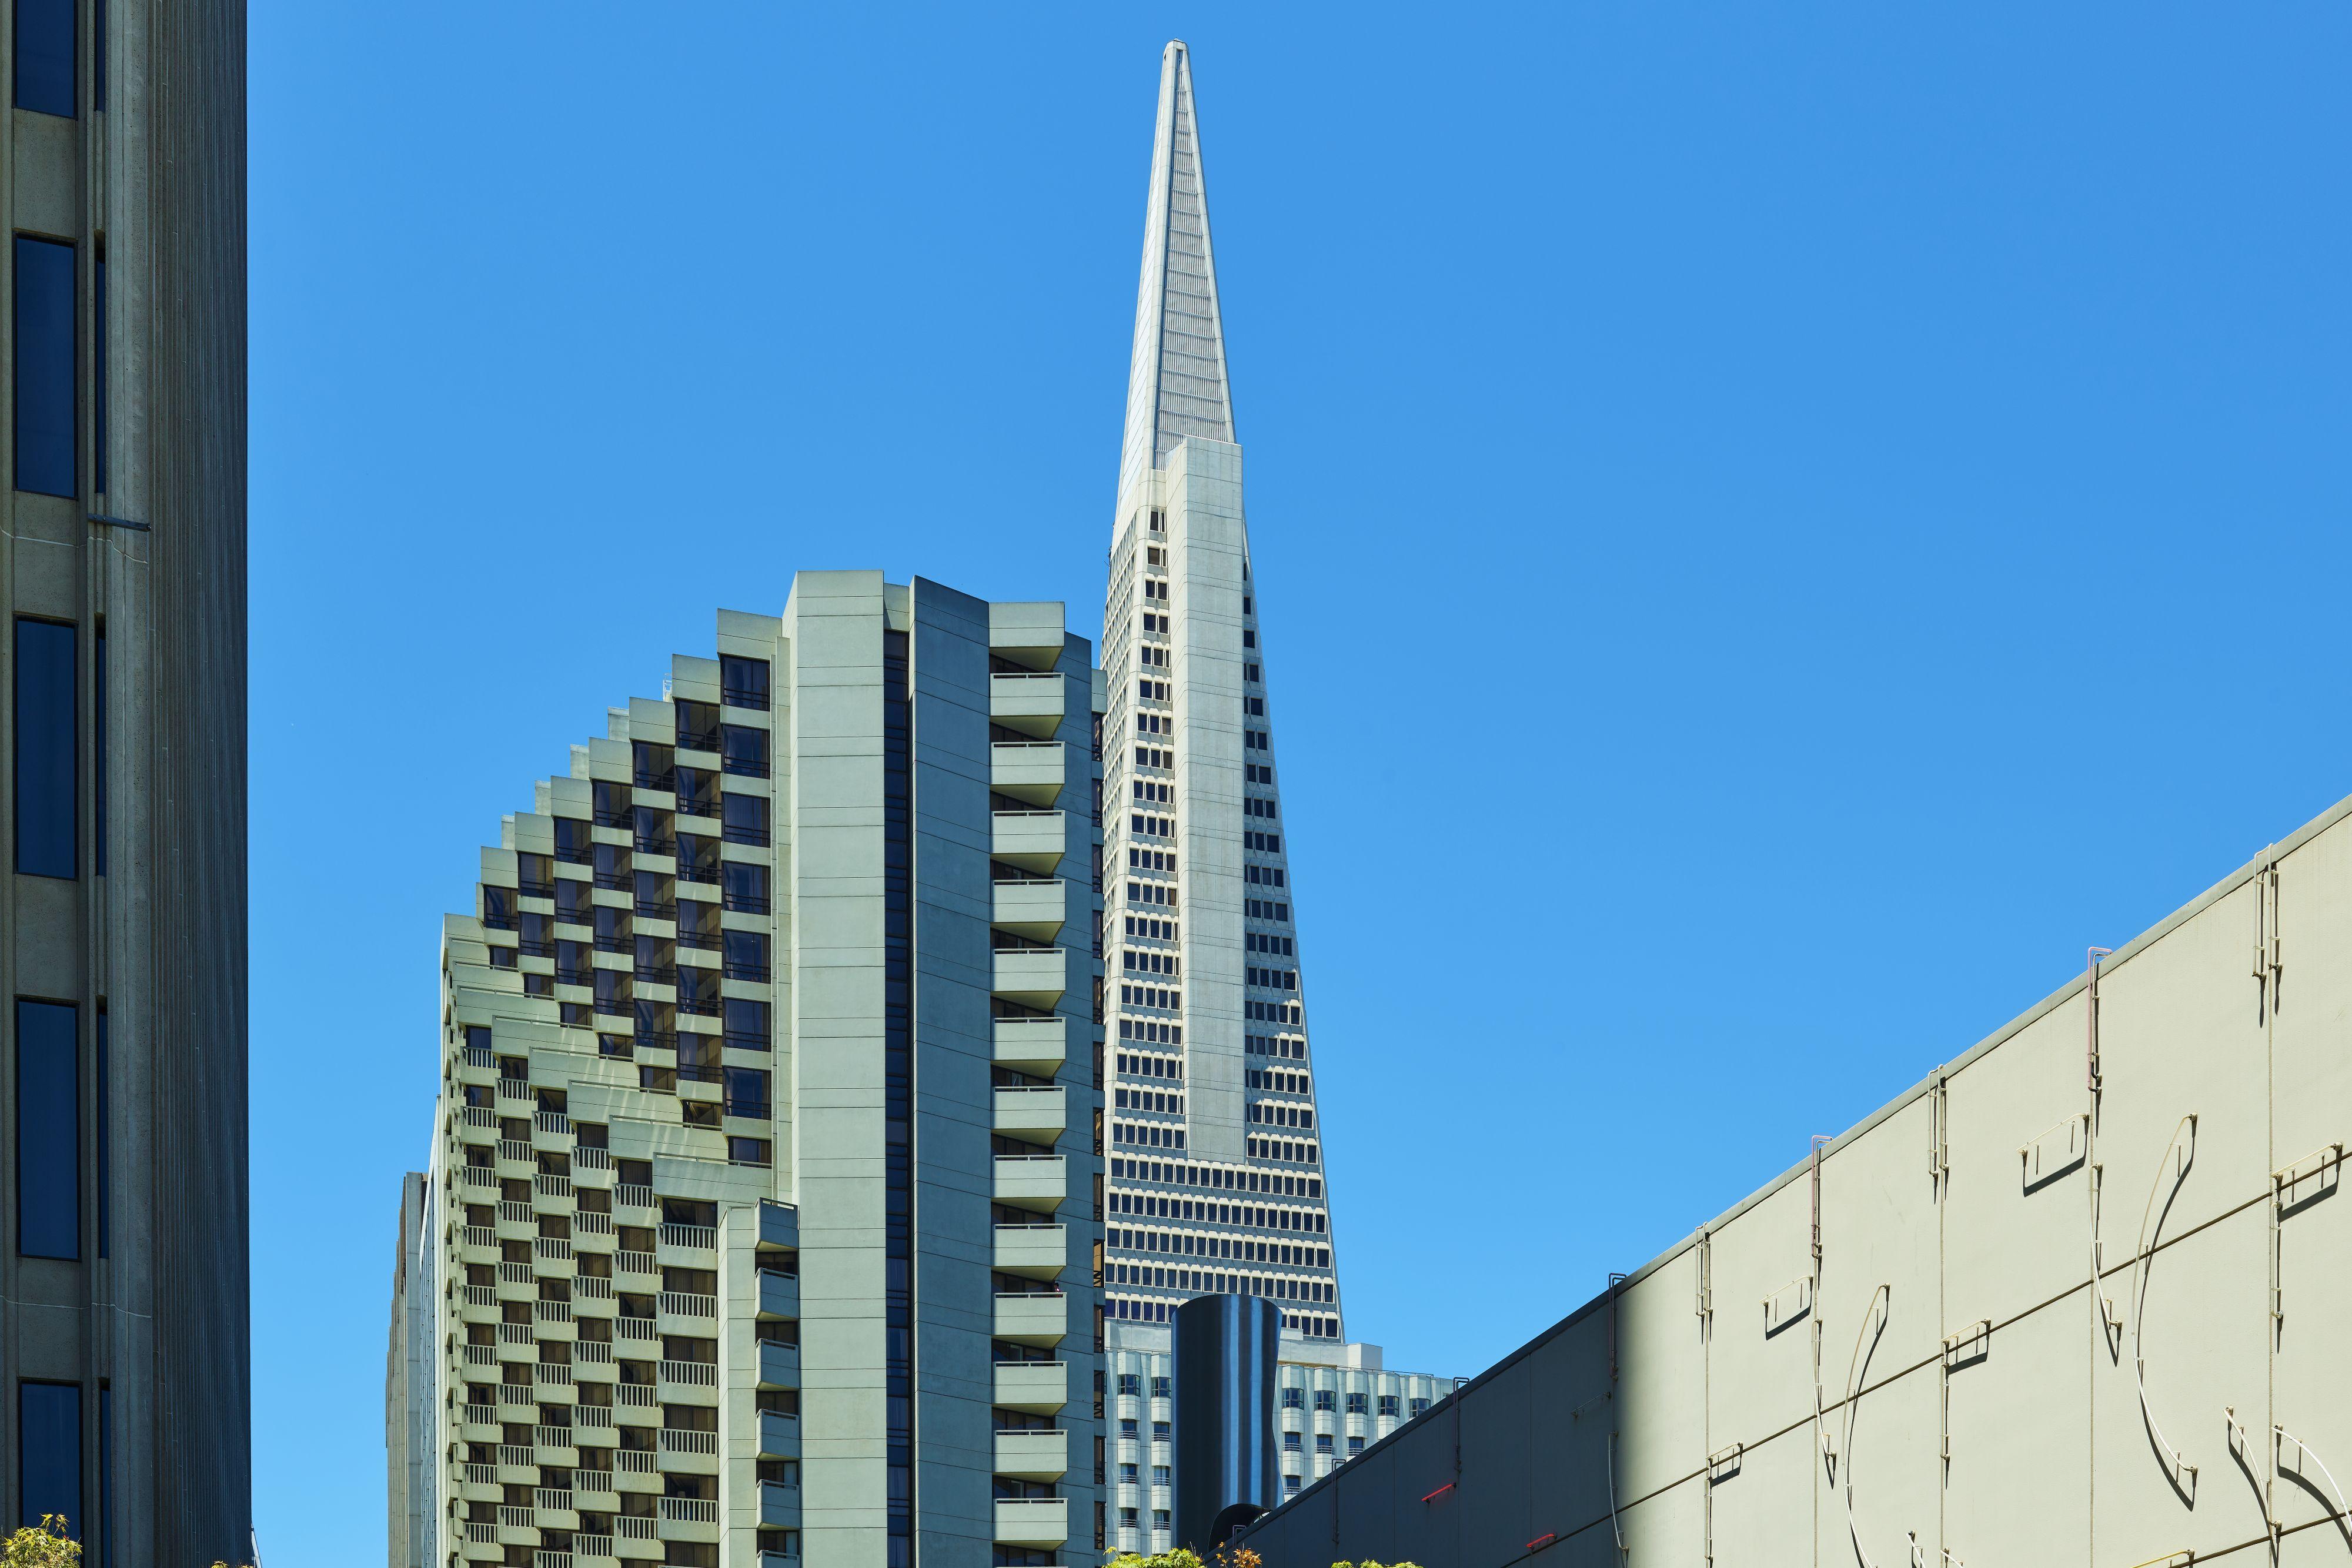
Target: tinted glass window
<point>745,886</point>
<point>747,1023</point>
<point>44,366</point>
<point>48,1132</point>
<point>746,819</point>
<point>45,56</point>
<point>743,683</point>
<point>744,750</point>
<point>45,770</point>
<point>49,1439</point>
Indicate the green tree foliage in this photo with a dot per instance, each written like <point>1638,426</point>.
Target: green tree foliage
<point>44,1545</point>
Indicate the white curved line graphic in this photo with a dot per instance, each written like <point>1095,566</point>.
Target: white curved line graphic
<point>1873,1323</point>
<point>2179,1154</point>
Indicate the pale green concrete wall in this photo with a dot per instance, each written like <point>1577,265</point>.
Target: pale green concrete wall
<point>1986,1391</point>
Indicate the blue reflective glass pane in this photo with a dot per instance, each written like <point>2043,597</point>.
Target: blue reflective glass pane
<point>45,773</point>
<point>48,1132</point>
<point>45,56</point>
<point>49,1441</point>
<point>45,367</point>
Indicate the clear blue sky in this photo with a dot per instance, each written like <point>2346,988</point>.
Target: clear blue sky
<point>1776,527</point>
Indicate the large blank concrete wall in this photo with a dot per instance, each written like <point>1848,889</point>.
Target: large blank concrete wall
<point>2110,1243</point>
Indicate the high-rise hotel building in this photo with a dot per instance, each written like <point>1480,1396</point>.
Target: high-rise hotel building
<point>760,1222</point>
<point>125,1369</point>
<point>1217,1167</point>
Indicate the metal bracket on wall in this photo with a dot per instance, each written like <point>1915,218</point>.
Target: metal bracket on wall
<point>2055,1152</point>
<point>1965,1348</point>
<point>2294,1188</point>
<point>1721,1465</point>
<point>1787,1304</point>
<point>1940,1132</point>
<point>2268,969</point>
<point>1704,1306</point>
<point>117,522</point>
<point>2291,1457</point>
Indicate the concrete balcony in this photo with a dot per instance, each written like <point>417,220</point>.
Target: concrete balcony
<point>1037,1319</point>
<point>1029,770</point>
<point>1040,1387</point>
<point>1032,1456</point>
<point>1033,977</point>
<point>780,1294</point>
<point>780,1435</point>
<point>1032,1252</point>
<point>780,1366</point>
<point>1032,1521</point>
<point>779,1506</point>
<point>1034,840</point>
<point>1030,1181</point>
<point>1031,632</point>
<point>1030,704</point>
<point>1040,1113</point>
<point>1032,1045</point>
<point>780,1225</point>
<point>1034,909</point>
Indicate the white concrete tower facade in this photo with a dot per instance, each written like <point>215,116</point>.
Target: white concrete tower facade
<point>1214,1149</point>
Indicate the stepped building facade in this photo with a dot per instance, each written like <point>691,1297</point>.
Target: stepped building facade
<point>760,1214</point>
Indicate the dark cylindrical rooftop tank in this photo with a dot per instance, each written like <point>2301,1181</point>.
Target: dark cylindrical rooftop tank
<point>1225,1351</point>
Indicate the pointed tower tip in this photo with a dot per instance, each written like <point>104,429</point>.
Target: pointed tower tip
<point>1176,381</point>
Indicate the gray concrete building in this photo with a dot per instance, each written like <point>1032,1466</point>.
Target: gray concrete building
<point>764,1183</point>
<point>2080,1296</point>
<point>124,1364</point>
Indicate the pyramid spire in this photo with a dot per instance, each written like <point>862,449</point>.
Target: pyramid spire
<point>1176,383</point>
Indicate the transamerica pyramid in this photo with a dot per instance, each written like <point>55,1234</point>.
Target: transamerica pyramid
<point>1215,1151</point>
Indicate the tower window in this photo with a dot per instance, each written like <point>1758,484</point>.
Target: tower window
<point>45,365</point>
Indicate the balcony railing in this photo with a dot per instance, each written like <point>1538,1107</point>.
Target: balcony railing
<point>514,1274</point>
<point>516,1333</point>
<point>689,1509</point>
<point>530,889</point>
<point>586,1224</point>
<point>589,1545</point>
<point>515,1518</point>
<point>700,941</point>
<point>554,1373</point>
<point>553,1313</point>
<point>689,1304</point>
<point>659,974</point>
<point>693,1373</point>
<point>678,1440</point>
<point>481,1355</point>
<point>591,1159</point>
<point>481,1532</point>
<point>481,1475</point>
<point>514,1089</point>
<point>702,1236</point>
<point>550,1185</point>
<point>629,1262</point>
<point>636,1396</point>
<point>628,1327</point>
<point>632,1195</point>
<point>735,971</point>
<point>479,1236</point>
<point>628,1527</point>
<point>591,1481</point>
<point>514,1213</point>
<point>743,904</point>
<point>478,1056</point>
